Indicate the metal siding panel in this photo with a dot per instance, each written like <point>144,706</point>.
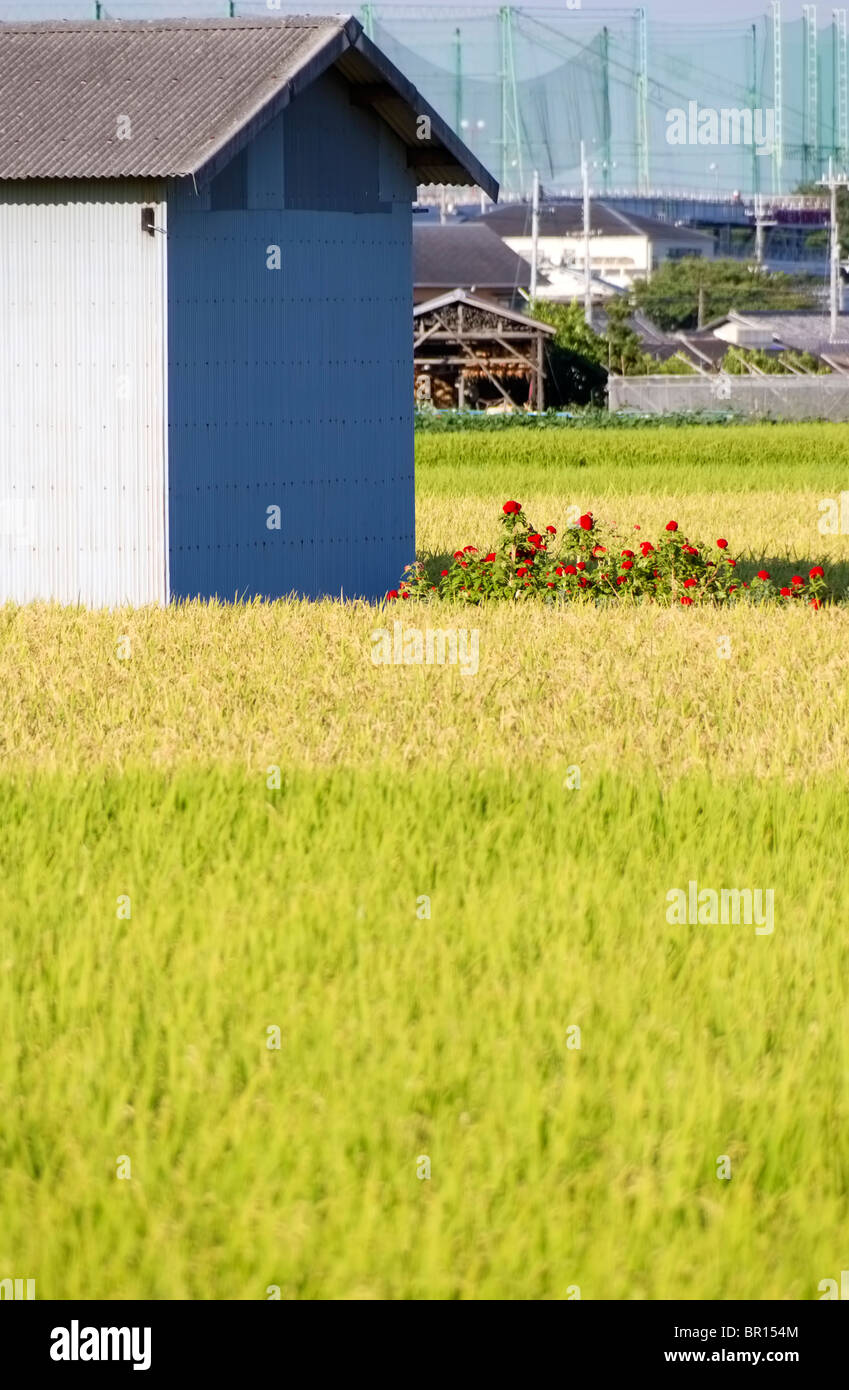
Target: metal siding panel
<point>290,387</point>
<point>81,395</point>
<point>322,170</point>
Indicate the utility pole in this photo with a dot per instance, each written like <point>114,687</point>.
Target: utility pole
<point>534,234</point>
<point>833,182</point>
<point>834,258</point>
<point>588,291</point>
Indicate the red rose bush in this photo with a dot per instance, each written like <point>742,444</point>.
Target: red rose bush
<point>588,562</point>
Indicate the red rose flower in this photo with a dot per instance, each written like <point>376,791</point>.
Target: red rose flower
<point>797,580</point>
<point>511,508</point>
<point>586,521</point>
<point>522,570</point>
<point>571,569</point>
<point>392,593</point>
<point>627,564</point>
<point>672,525</point>
<point>723,544</point>
<point>535,540</point>
<point>443,572</point>
<point>815,603</point>
<point>490,556</point>
<point>405,594</point>
<point>470,550</point>
<point>686,600</point>
<point>785,592</point>
<point>458,554</point>
<point>816,572</point>
<point>552,530</point>
<point>690,583</point>
<point>763,574</point>
<point>629,553</point>
<point>732,563</point>
<point>582,564</point>
<point>646,547</point>
<point>599,550</point>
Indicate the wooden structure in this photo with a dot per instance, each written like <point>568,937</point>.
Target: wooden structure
<point>470,352</point>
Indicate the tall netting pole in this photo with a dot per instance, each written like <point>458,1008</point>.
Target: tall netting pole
<point>642,101</point>
<point>841,87</point>
<point>607,156</point>
<point>810,119</point>
<point>458,80</point>
<point>512,174</point>
<point>777,100</point>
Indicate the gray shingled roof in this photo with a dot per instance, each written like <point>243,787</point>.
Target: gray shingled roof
<point>195,92</point>
<point>566,218</point>
<point>463,254</point>
<point>803,329</point>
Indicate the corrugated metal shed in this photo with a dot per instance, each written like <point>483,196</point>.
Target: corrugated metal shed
<point>195,92</point>
<point>183,355</point>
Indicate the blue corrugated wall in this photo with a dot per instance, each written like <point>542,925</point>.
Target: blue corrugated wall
<point>292,388</point>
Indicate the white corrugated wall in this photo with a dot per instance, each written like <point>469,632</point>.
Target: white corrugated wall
<point>82,394</point>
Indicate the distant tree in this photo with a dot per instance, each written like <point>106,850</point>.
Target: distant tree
<point>577,355</point>
<point>736,358</point>
<point>625,350</point>
<point>580,357</point>
<point>671,297</point>
<point>842,216</point>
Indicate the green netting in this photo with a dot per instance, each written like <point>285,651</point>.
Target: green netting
<point>526,85</point>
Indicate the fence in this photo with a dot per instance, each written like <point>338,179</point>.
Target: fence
<point>773,397</point>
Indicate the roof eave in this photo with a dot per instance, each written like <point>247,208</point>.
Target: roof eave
<point>441,133</point>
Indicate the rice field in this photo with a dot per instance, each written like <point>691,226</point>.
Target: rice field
<point>327,979</point>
